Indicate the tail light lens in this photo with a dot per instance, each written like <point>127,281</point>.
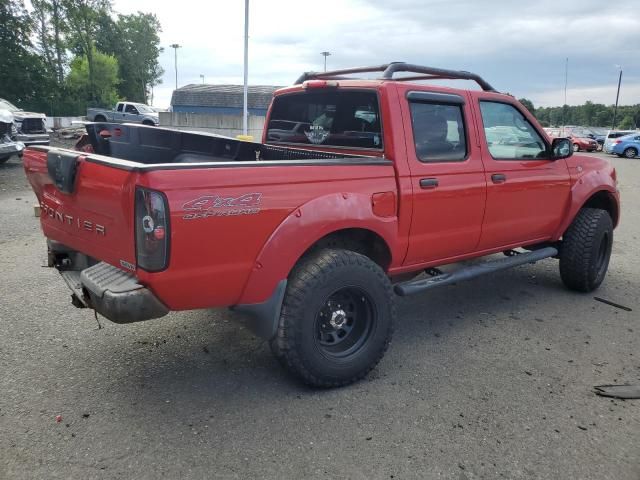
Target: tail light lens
<point>152,230</point>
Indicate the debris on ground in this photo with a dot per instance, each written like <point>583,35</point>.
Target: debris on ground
<point>613,304</point>
<point>58,418</point>
<point>623,392</point>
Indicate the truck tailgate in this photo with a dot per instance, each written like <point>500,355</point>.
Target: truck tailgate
<point>85,206</point>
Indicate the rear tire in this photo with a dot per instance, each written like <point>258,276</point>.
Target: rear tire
<point>586,250</point>
<point>337,318</point>
<point>4,159</point>
<point>630,152</point>
<point>100,118</point>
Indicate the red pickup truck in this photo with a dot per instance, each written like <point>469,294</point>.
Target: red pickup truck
<point>360,189</point>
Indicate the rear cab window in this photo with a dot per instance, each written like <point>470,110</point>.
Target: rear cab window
<point>331,118</point>
<point>438,128</point>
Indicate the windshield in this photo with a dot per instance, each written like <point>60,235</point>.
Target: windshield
<point>144,108</point>
<point>4,105</point>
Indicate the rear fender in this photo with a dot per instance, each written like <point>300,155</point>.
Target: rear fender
<point>303,228</point>
<point>584,190</point>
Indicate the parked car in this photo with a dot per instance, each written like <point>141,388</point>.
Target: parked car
<point>583,143</point>
<point>599,134</point>
<point>612,135</point>
<point>313,239</point>
<point>125,112</point>
<point>627,146</point>
<point>31,128</point>
<point>9,145</point>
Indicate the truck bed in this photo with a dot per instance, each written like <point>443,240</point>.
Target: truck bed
<point>132,143</point>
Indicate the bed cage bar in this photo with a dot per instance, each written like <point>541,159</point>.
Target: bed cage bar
<point>423,73</point>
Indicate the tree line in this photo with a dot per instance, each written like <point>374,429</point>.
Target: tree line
<point>588,115</point>
<point>61,56</point>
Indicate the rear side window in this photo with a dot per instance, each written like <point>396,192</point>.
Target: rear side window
<point>509,134</point>
<point>438,132</point>
<point>337,118</point>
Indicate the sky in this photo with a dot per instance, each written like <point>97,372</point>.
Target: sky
<point>520,47</point>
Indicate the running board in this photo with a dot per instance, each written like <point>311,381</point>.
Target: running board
<point>473,271</point>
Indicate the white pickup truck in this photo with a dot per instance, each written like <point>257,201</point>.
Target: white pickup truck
<point>125,112</point>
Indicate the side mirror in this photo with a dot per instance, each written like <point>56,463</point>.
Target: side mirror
<point>561,148</point>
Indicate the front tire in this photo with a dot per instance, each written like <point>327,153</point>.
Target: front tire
<point>337,318</point>
<point>586,250</point>
<point>576,147</point>
<point>630,152</point>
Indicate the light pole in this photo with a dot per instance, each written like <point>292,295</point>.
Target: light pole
<point>245,99</point>
<point>615,110</point>
<point>564,106</point>
<point>325,55</point>
<point>175,47</point>
<point>202,77</point>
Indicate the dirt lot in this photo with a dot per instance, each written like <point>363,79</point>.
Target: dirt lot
<point>488,379</point>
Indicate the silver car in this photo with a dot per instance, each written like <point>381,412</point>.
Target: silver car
<point>31,128</point>
<point>8,144</point>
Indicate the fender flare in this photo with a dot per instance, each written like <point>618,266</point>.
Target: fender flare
<point>583,190</point>
<point>302,228</point>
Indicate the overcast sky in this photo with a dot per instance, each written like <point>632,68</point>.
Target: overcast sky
<point>519,47</point>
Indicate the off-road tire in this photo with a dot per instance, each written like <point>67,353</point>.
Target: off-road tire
<point>630,152</point>
<point>311,286</point>
<point>586,250</point>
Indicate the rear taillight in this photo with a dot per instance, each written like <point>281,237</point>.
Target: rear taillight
<point>152,230</point>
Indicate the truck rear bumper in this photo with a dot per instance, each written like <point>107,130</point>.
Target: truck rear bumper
<point>33,139</point>
<point>113,293</point>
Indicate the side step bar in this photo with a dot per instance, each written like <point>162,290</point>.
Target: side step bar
<point>473,271</point>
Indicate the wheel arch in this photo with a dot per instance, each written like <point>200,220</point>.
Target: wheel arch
<point>604,200</point>
<point>601,198</point>
<point>336,220</point>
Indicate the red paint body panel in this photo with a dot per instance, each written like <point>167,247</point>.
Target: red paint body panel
<point>227,260</point>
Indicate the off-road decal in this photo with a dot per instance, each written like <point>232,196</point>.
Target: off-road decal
<point>218,206</point>
<point>317,134</point>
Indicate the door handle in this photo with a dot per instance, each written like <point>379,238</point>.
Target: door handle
<point>428,183</point>
<point>498,178</point>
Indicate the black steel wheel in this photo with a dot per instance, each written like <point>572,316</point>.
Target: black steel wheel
<point>345,321</point>
<point>337,318</point>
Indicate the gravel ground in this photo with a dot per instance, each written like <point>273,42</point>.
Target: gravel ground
<point>490,379</point>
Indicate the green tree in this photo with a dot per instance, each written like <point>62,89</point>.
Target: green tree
<point>102,91</point>
<point>50,25</point>
<point>22,74</point>
<point>134,41</point>
<point>83,17</point>
<point>528,104</point>
<point>626,123</point>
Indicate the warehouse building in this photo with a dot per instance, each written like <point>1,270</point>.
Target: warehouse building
<point>221,99</point>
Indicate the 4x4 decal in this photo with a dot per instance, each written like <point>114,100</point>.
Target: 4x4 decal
<point>219,206</point>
